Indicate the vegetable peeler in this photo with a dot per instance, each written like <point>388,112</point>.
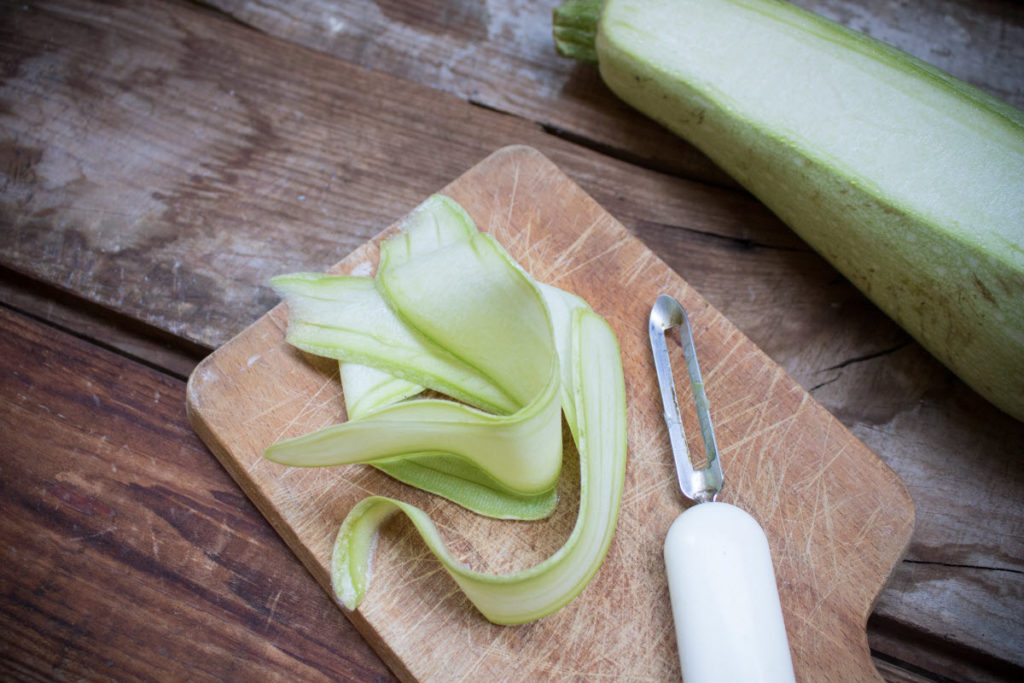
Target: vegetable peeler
<point>725,602</point>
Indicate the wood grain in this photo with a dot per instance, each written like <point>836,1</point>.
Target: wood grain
<point>161,162</point>
<point>837,518</point>
<point>293,159</point>
<point>87,320</point>
<point>136,555</point>
<point>501,55</point>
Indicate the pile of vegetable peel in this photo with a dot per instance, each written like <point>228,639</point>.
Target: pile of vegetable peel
<point>450,311</point>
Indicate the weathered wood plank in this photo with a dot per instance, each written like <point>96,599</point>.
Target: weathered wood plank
<point>127,552</point>
<point>501,55</point>
<point>163,163</point>
<point>98,324</point>
<point>933,650</point>
<point>292,159</point>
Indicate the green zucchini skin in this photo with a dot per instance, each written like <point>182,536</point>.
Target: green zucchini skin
<point>909,182</point>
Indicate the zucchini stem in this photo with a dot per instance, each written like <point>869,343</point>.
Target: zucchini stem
<point>575,29</point>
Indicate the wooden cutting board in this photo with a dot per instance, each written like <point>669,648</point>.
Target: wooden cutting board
<point>837,518</point>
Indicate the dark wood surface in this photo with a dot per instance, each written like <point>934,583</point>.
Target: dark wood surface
<point>128,551</point>
<point>162,159</point>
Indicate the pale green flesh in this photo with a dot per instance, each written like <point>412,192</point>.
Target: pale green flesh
<point>439,473</point>
<point>435,222</point>
<point>816,87</point>
<point>346,318</point>
<point>544,588</point>
<point>367,388</point>
<point>325,309</point>
<point>461,482</point>
<point>464,297</point>
<point>451,477</point>
<point>563,308</point>
<point>504,465</point>
<point>523,450</point>
<point>909,182</point>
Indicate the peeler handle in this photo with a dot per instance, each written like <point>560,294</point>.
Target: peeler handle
<point>725,601</point>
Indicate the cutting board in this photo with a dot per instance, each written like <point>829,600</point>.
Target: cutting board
<point>837,518</point>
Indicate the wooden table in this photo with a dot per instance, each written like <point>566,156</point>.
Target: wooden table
<point>161,160</point>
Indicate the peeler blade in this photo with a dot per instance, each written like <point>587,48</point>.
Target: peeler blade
<point>704,484</point>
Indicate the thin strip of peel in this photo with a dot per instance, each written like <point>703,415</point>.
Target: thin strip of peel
<point>533,593</point>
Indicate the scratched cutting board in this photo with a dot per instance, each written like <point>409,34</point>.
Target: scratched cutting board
<point>837,518</point>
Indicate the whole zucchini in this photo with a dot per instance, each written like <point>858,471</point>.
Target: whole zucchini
<point>910,182</point>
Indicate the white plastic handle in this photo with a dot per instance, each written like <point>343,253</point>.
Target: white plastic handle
<point>724,598</point>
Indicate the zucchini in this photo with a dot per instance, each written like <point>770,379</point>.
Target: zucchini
<point>910,182</point>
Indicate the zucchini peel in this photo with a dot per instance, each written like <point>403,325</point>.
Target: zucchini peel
<point>449,310</point>
<point>531,594</point>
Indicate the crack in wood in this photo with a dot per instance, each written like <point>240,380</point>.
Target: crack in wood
<point>624,155</point>
<point>72,314</point>
<point>905,667</point>
<point>856,359</point>
<point>954,565</point>
<point>825,383</point>
<point>868,356</point>
<point>737,243</point>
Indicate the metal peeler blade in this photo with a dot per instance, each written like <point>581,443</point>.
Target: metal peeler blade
<point>698,485</point>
